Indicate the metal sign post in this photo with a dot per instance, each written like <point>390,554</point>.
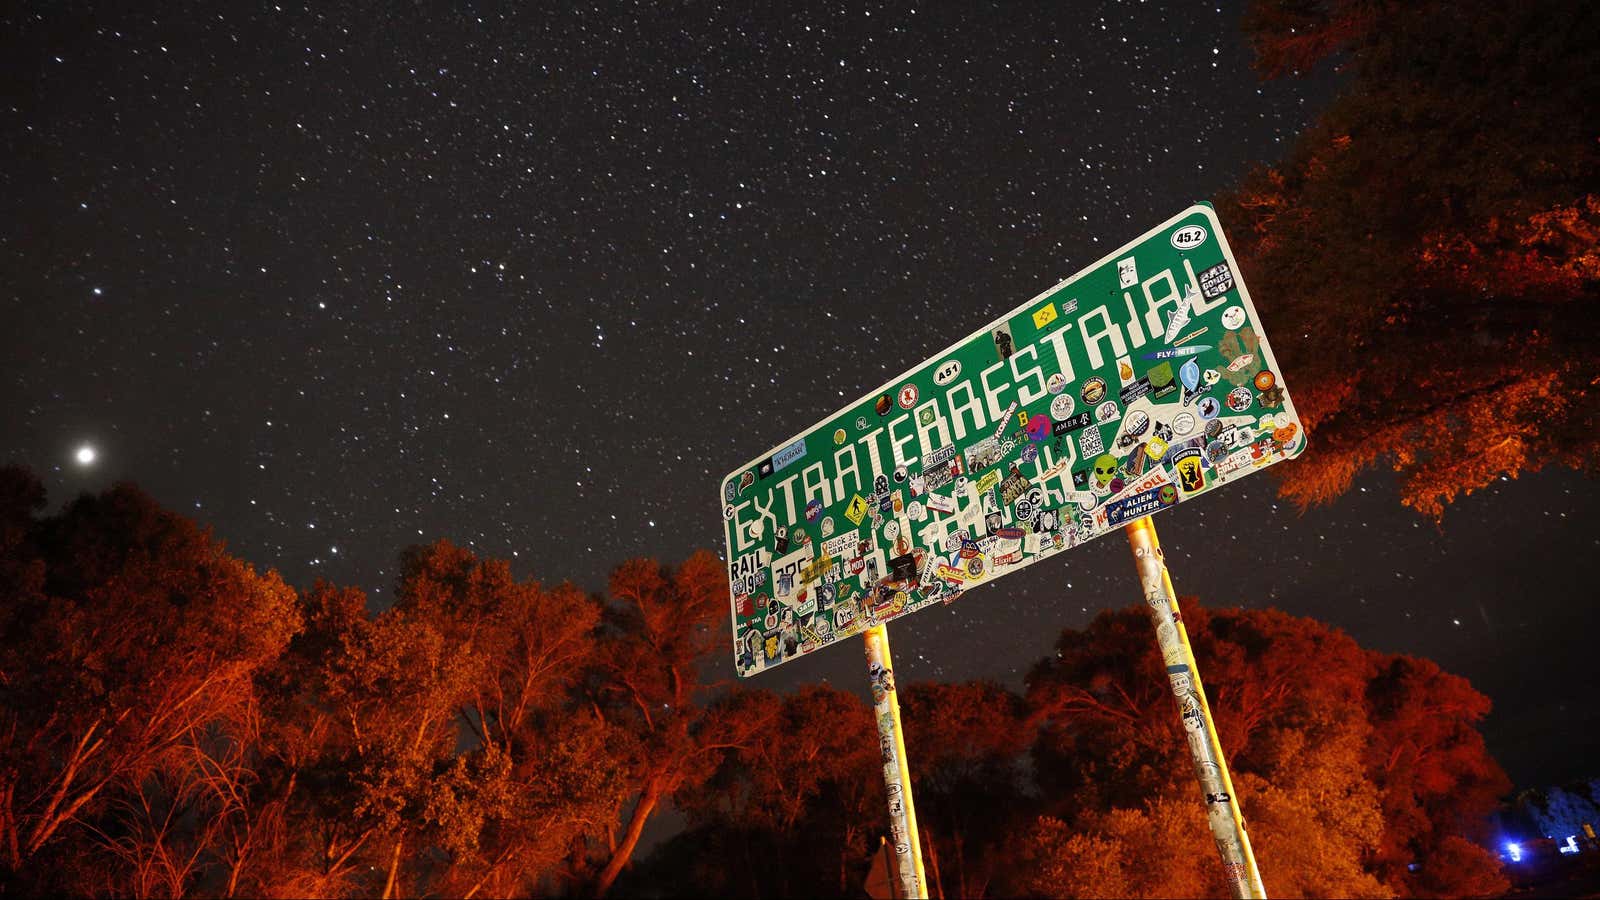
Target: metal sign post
<point>906,846</point>
<point>1205,749</point>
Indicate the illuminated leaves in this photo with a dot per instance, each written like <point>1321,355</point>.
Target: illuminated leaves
<point>1434,281</point>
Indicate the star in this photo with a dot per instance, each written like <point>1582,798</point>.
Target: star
<point>85,455</point>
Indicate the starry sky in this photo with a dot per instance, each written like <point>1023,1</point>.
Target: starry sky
<point>334,280</point>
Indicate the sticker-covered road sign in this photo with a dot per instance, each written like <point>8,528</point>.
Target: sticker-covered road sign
<point>1139,383</point>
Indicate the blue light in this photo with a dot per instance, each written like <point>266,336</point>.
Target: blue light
<point>1515,851</point>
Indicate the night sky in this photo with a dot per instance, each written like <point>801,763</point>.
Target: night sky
<point>334,281</point>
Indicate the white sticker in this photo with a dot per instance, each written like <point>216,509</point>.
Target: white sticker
<point>1061,407</point>
<point>844,545</point>
<point>1180,314</point>
<point>1127,273</point>
<point>1188,237</point>
<point>1233,317</point>
<point>947,371</point>
<point>1089,443</point>
<point>786,572</point>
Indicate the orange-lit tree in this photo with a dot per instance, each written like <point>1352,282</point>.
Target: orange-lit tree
<point>129,641</point>
<point>1429,252</point>
<point>1349,770</point>
<point>795,812</point>
<point>659,627</point>
<point>967,746</point>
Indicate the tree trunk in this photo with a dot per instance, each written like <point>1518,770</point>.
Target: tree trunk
<point>394,869</point>
<point>641,814</point>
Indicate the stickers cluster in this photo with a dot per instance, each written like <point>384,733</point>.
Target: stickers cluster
<point>1056,424</point>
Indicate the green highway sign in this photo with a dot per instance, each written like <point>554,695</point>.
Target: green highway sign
<point>1139,383</point>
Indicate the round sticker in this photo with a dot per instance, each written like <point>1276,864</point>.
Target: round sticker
<point>1056,383</point>
<point>1107,412</point>
<point>1038,429</point>
<point>1209,407</point>
<point>861,423</point>
<point>947,372</point>
<point>839,436</point>
<point>899,474</point>
<point>1232,317</point>
<point>1061,407</point>
<point>1239,399</point>
<point>727,511</point>
<point>891,530</point>
<point>975,567</point>
<point>1094,390</point>
<point>1265,380</point>
<point>952,542</point>
<point>908,396</point>
<point>914,510</point>
<point>1137,422</point>
<point>883,405</point>
<point>827,526</point>
<point>1029,453</point>
<point>1188,237</point>
<point>1167,495</point>
<point>1183,423</point>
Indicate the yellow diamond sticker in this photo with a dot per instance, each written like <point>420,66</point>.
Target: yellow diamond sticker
<point>856,511</point>
<point>1044,315</point>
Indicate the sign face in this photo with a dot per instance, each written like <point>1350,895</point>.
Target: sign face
<point>1139,383</point>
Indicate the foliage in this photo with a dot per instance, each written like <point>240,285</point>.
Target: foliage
<point>177,724</point>
<point>128,645</point>
<point>1347,774</point>
<point>1428,249</point>
<point>794,813</point>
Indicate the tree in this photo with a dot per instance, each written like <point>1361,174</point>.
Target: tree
<point>553,778</point>
<point>444,742</point>
<point>1427,250</point>
<point>129,641</point>
<point>656,632</point>
<point>795,812</point>
<point>1349,763</point>
<point>965,748</point>
<point>1427,757</point>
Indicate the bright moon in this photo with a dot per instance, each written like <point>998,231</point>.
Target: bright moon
<point>85,455</point>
